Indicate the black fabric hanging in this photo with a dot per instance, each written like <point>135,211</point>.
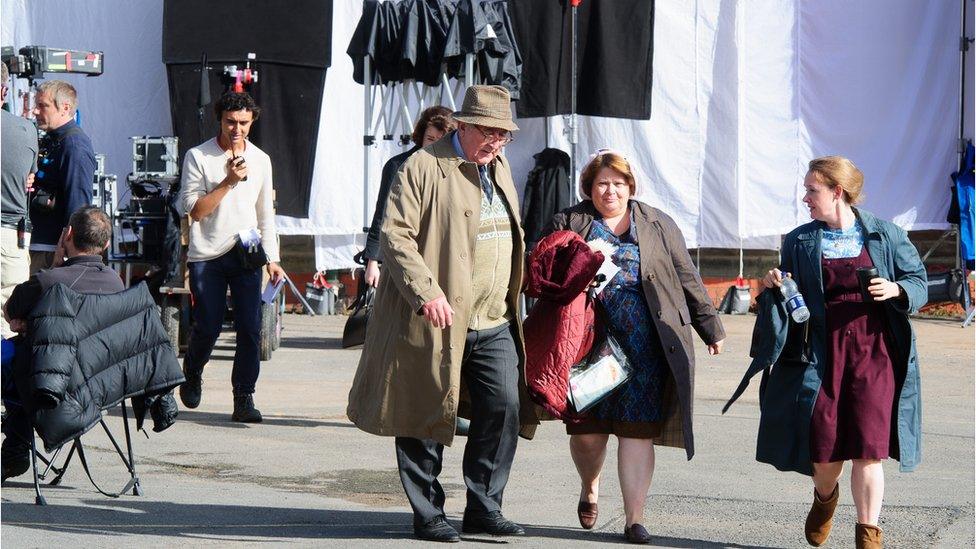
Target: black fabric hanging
<point>615,54</point>
<point>500,61</point>
<point>548,190</point>
<point>293,43</point>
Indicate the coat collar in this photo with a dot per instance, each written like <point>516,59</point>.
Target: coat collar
<point>814,230</point>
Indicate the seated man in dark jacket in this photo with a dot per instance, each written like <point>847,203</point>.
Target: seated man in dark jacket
<point>77,264</point>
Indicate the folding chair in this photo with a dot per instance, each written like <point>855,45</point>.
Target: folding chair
<point>127,457</point>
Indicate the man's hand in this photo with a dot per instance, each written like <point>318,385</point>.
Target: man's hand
<point>716,348</point>
<point>59,249</point>
<point>372,273</point>
<point>17,325</point>
<point>275,272</point>
<point>774,278</point>
<point>883,289</point>
<point>236,170</point>
<point>438,312</point>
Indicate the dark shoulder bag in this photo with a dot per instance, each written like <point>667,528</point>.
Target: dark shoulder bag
<point>354,332</point>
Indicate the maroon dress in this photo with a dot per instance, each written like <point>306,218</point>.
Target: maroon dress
<point>852,415</point>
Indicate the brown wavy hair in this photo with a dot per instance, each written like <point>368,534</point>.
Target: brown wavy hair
<point>438,117</point>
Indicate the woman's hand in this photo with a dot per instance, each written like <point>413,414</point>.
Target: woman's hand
<point>883,289</point>
<point>372,273</point>
<point>716,348</point>
<point>774,278</point>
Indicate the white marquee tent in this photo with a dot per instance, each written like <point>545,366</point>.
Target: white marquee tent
<point>745,93</point>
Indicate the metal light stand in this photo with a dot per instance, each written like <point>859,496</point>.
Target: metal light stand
<point>964,43</point>
<point>572,128</point>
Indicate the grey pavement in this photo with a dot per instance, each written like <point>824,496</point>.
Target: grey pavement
<point>307,477</point>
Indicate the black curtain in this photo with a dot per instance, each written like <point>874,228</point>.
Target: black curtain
<point>293,43</point>
<point>614,59</point>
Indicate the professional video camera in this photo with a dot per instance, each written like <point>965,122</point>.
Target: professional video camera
<point>31,62</point>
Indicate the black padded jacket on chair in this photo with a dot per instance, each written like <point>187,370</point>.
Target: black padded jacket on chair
<point>89,352</point>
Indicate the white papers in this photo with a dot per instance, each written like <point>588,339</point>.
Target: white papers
<point>608,270</point>
<point>250,237</point>
<point>272,289</point>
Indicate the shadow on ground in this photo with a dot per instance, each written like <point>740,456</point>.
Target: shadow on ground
<point>246,523</point>
<point>215,419</point>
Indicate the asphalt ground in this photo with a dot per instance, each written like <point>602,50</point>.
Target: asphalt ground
<point>307,477</point>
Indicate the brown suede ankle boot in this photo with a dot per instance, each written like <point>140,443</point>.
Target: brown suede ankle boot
<point>821,518</point>
<point>867,536</point>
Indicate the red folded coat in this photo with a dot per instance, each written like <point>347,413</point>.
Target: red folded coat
<point>559,329</point>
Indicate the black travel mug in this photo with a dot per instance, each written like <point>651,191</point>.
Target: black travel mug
<point>864,276</point>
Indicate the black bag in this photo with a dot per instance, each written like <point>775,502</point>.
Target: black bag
<point>354,333</point>
<point>736,301</point>
<point>252,256</point>
<point>947,286</point>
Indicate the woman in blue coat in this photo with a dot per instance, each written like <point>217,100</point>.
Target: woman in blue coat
<point>844,385</point>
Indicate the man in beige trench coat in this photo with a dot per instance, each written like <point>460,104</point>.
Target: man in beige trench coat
<point>448,310</point>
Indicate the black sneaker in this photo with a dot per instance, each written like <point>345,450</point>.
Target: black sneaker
<point>493,523</point>
<point>437,530</point>
<point>244,410</point>
<point>192,389</point>
<point>14,458</point>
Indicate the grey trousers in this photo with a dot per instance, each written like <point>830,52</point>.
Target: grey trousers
<point>490,370</point>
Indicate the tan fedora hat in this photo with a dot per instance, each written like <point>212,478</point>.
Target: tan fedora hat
<point>488,106</point>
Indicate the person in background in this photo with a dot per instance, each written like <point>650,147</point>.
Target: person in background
<point>651,305</point>
<point>227,190</point>
<point>433,123</point>
<point>18,148</point>
<point>66,170</point>
<point>858,366</point>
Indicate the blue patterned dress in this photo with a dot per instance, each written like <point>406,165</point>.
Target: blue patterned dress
<point>640,399</point>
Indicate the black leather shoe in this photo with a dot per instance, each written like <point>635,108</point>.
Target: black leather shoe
<point>437,530</point>
<point>15,457</point>
<point>192,389</point>
<point>493,523</point>
<point>636,533</point>
<point>244,410</point>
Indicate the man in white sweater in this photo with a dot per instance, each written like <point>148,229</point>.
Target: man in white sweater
<point>227,191</point>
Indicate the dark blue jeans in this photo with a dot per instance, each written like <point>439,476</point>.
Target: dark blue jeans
<point>208,284</point>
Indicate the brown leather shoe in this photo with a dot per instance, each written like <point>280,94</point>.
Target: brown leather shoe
<point>821,518</point>
<point>587,514</point>
<point>636,533</point>
<point>867,536</point>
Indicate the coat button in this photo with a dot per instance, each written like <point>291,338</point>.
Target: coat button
<point>653,276</point>
<point>467,213</point>
<point>463,255</point>
<point>660,314</point>
<point>671,349</point>
<point>458,299</point>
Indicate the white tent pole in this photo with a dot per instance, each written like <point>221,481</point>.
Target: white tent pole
<point>446,90</point>
<point>368,139</point>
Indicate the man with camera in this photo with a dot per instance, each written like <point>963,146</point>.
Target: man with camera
<point>66,170</point>
<point>18,148</point>
<point>227,191</point>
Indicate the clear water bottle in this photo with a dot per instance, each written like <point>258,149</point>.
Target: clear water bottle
<point>795,304</point>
